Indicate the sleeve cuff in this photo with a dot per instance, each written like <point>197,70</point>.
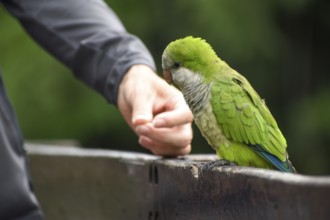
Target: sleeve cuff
<point>102,60</point>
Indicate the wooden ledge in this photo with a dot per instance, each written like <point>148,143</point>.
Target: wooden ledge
<point>73,183</point>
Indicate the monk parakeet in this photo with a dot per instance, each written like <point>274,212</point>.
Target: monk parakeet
<point>230,114</point>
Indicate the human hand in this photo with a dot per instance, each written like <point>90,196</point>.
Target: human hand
<point>156,112</point>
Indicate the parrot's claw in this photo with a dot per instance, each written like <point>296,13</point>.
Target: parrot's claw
<point>216,163</point>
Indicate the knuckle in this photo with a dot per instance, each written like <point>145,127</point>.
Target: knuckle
<point>185,142</point>
<point>185,150</point>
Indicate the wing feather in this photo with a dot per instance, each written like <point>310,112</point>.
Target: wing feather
<point>244,117</point>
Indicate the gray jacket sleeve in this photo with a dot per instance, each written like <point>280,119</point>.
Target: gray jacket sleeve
<point>86,36</point>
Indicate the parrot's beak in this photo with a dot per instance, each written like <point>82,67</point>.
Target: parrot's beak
<point>167,75</point>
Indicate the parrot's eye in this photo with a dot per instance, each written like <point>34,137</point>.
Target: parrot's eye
<point>176,64</point>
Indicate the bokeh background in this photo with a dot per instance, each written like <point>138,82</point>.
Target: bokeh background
<point>282,47</point>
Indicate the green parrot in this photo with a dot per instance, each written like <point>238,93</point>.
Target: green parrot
<point>230,114</point>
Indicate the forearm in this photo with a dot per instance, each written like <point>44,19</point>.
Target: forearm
<point>86,36</point>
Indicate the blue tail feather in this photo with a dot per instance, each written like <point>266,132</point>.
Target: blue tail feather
<point>285,166</point>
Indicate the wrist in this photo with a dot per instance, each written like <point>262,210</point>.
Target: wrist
<point>134,74</point>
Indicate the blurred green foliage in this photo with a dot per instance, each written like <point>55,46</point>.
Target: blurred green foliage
<point>280,46</point>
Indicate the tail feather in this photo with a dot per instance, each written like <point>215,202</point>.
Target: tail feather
<point>285,166</point>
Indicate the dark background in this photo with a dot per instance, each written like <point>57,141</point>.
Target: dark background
<point>282,47</point>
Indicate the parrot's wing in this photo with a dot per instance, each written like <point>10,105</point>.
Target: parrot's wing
<point>244,117</point>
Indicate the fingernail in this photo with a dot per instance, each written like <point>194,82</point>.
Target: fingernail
<point>159,123</point>
<point>144,141</point>
<point>142,129</point>
<point>141,119</point>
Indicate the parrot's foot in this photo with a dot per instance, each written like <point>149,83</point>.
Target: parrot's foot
<point>216,163</point>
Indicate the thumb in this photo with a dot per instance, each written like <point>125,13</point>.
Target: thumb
<point>142,110</point>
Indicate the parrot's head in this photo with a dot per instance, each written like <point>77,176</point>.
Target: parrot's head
<point>188,59</point>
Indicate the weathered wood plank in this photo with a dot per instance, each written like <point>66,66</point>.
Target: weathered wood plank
<point>74,183</point>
